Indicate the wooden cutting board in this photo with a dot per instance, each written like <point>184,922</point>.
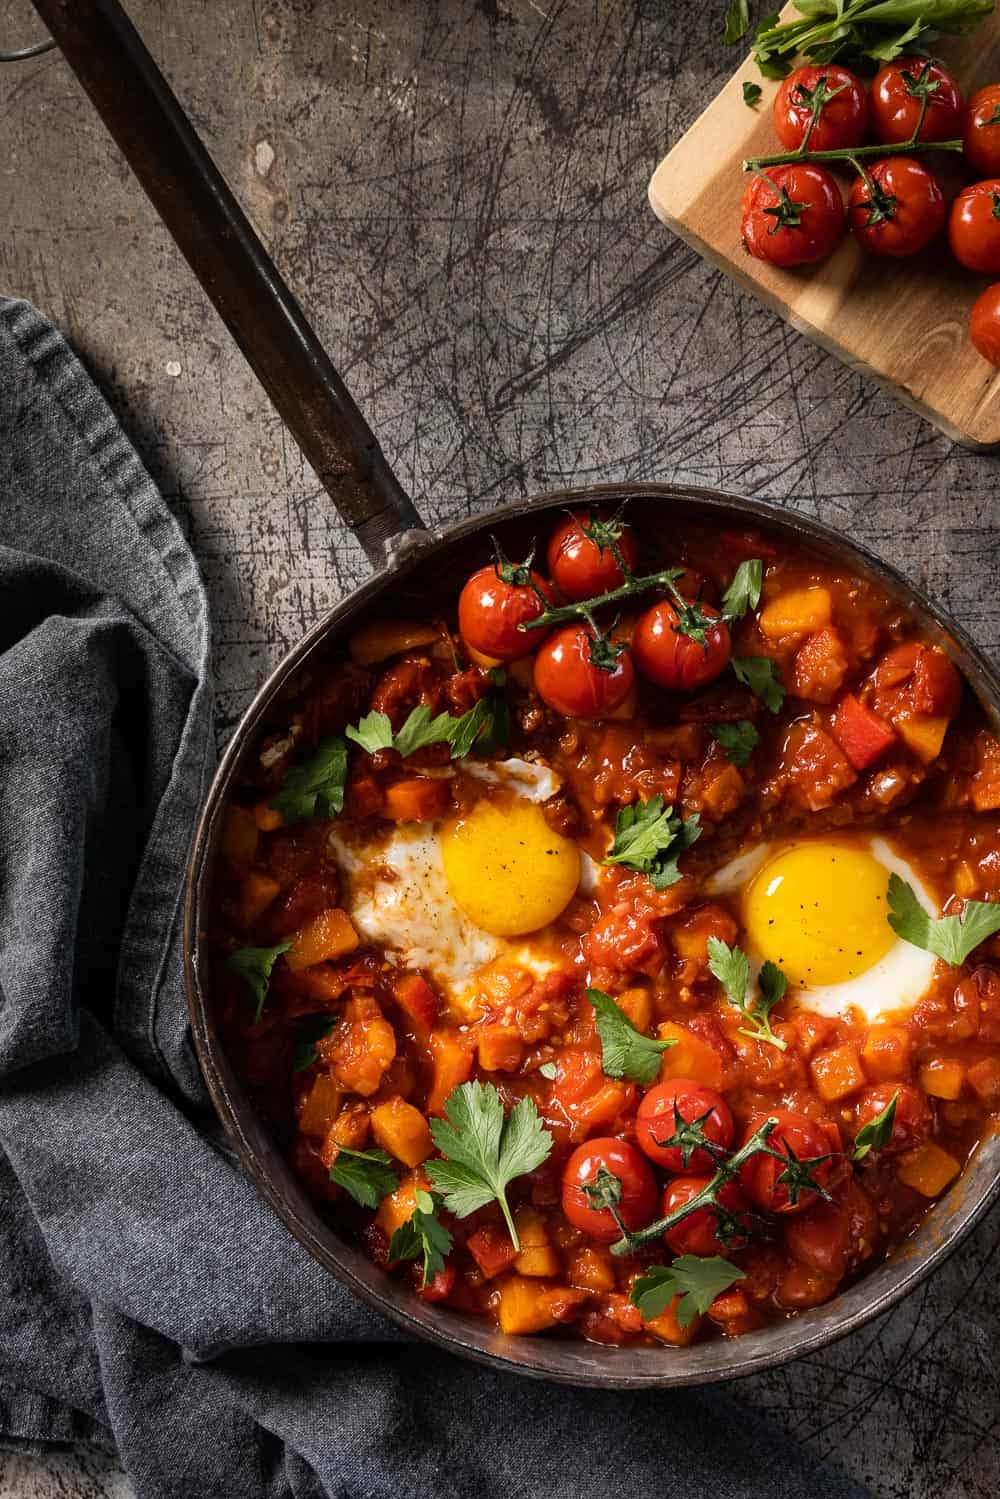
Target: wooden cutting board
<point>901,322</point>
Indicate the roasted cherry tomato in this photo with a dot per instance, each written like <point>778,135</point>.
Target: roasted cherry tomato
<point>984,323</point>
<point>668,657</point>
<point>974,226</point>
<point>896,99</point>
<point>568,680</point>
<point>911,1121</point>
<point>608,1171</point>
<point>830,1234</point>
<point>842,119</point>
<point>704,1232</point>
<point>581,556</point>
<point>793,215</point>
<point>981,132</point>
<point>683,1110</point>
<point>494,602</point>
<point>808,1151</point>
<point>896,208</point>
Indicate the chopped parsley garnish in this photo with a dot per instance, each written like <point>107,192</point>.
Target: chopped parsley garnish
<point>738,740</point>
<point>751,94</point>
<point>731,967</point>
<point>485,1150</point>
<point>310,1029</point>
<point>695,1278</point>
<point>254,965</point>
<point>650,837</point>
<point>876,1134</point>
<point>952,938</point>
<point>422,1234</point>
<point>367,1175</point>
<point>316,786</point>
<point>760,674</point>
<point>743,592</point>
<point>483,727</point>
<point>625,1051</point>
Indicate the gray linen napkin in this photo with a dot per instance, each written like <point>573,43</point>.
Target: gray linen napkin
<point>149,1291</point>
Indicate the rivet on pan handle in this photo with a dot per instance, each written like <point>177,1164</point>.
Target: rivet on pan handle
<point>192,198</point>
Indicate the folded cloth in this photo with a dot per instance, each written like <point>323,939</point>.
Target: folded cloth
<point>150,1292</point>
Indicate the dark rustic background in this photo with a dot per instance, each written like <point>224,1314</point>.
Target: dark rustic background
<point>456,190</point>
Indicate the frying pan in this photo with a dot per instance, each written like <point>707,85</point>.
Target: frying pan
<point>415,569</point>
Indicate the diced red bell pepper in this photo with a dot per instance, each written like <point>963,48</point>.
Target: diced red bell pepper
<point>440,1286</point>
<point>861,734</point>
<point>417,1000</point>
<point>492,1250</point>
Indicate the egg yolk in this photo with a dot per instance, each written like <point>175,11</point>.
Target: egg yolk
<point>819,911</point>
<point>506,868</point>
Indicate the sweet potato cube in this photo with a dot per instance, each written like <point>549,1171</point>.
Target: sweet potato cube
<point>329,935</point>
<point>637,1004</point>
<point>382,638</point>
<point>257,891</point>
<point>799,611</point>
<point>451,1064</point>
<point>984,1079</point>
<point>417,1000</point>
<point>266,817</point>
<point>526,1305</point>
<point>667,1328</point>
<point>837,1072</point>
<point>811,1031</point>
<point>351,1128</point>
<point>886,1052</point>
<point>320,1106</point>
<point>500,1047</point>
<point>538,1256</point>
<point>723,794</point>
<point>928,1169</point>
<point>942,1077</point>
<point>691,1056</point>
<point>417,799</point>
<point>398,1208</point>
<point>239,835</point>
<point>592,1269</point>
<point>820,666</point>
<point>924,735</point>
<point>402,1130</point>
<point>492,1249</point>
<point>984,786</point>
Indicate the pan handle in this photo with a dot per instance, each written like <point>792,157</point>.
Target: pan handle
<point>192,198</point>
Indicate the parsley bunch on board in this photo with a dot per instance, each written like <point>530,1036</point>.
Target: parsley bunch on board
<point>865,32</point>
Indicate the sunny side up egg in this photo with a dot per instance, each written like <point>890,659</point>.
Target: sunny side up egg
<point>450,898</point>
<point>818,908</point>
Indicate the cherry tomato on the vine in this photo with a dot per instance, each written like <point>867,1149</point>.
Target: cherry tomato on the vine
<point>491,606</point>
<point>896,99</point>
<point>981,131</point>
<point>910,1123</point>
<point>668,657</point>
<point>839,96</point>
<point>569,680</point>
<point>608,1170</point>
<point>700,1233</point>
<point>974,226</point>
<point>984,323</point>
<point>896,207</point>
<point>792,215</point>
<point>809,1163</point>
<point>694,1105</point>
<point>581,556</point>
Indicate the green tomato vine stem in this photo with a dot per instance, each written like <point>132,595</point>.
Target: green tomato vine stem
<point>585,608</point>
<point>849,154</point>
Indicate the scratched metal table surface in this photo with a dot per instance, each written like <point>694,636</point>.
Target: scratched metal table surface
<point>457,192</point>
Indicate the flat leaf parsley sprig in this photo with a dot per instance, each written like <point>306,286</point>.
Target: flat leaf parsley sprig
<point>731,967</point>
<point>952,938</point>
<point>625,1051</point>
<point>694,1278</point>
<point>650,837</point>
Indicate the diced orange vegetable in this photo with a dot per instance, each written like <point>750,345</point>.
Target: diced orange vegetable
<point>592,1269</point>
<point>538,1257</point>
<point>402,1130</point>
<point>837,1072</point>
<point>351,1127</point>
<point>266,817</point>
<point>723,794</point>
<point>667,1328</point>
<point>924,735</point>
<point>362,1048</point>
<point>320,1106</point>
<point>942,1077</point>
<point>820,666</point>
<point>527,1305</point>
<point>398,1208</point>
<point>966,880</point>
<point>984,1079</point>
<point>886,1052</point>
<point>690,1057</point>
<point>817,768</point>
<point>329,935</point>
<point>417,800</point>
<point>734,1313</point>
<point>689,936</point>
<point>256,893</point>
<point>417,1000</point>
<point>928,1169</point>
<point>812,1031</point>
<point>603,1106</point>
<point>492,1249</point>
<point>861,734</point>
<point>382,638</point>
<point>451,1060</point>
<point>239,835</point>
<point>984,787</point>
<point>501,1048</point>
<point>799,611</point>
<point>637,1004</point>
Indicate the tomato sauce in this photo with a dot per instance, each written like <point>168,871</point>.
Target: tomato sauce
<point>351,1044</point>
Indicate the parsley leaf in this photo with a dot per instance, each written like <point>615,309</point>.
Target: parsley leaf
<point>373,732</point>
<point>650,838</point>
<point>254,964</point>
<point>760,674</point>
<point>484,1150</point>
<point>952,938</point>
<point>875,1135</point>
<point>422,1234</point>
<point>625,1052</point>
<point>737,22</point>
<point>731,967</point>
<point>483,727</point>
<point>743,592</point>
<point>317,785</point>
<point>738,740</point>
<point>310,1029</point>
<point>751,94</point>
<point>366,1174</point>
<point>696,1279</point>
<point>549,1070</point>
